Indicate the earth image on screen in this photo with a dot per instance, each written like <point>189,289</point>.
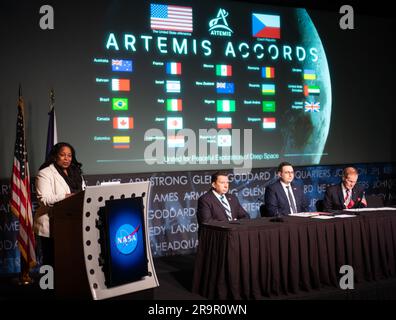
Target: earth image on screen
<point>305,138</point>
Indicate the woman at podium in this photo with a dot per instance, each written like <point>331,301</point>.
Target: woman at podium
<point>59,177</point>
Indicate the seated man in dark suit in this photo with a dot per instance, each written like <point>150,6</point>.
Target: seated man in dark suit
<point>345,195</point>
<point>217,205</point>
<point>284,197</point>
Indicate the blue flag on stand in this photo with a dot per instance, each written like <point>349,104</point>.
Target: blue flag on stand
<point>52,133</point>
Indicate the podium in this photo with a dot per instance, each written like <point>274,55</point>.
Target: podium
<point>78,270</point>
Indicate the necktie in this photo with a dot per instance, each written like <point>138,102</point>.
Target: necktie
<point>349,203</point>
<point>226,207</point>
<point>289,195</point>
<point>346,199</point>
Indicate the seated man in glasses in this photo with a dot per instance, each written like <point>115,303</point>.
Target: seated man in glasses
<point>345,195</point>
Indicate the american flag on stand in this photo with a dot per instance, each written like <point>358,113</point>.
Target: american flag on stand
<point>21,204</point>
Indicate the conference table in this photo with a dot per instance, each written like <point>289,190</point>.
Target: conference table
<point>257,258</point>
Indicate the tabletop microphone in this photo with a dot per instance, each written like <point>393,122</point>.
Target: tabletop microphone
<point>277,218</point>
<point>358,205</point>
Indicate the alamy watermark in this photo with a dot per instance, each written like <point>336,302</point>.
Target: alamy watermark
<point>347,20</point>
<point>347,280</point>
<point>47,19</point>
<point>47,279</point>
<point>211,146</point>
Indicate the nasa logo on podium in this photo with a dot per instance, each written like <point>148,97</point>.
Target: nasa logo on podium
<point>126,238</point>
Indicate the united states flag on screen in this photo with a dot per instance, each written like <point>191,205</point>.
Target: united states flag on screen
<point>173,18</point>
<point>20,203</point>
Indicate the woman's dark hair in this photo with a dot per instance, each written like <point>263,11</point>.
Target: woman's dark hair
<point>51,158</point>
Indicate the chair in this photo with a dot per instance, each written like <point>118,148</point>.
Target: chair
<point>374,201</point>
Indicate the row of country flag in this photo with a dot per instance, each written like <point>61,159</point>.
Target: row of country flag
<point>222,122</point>
<point>229,105</point>
<point>223,140</point>
<point>123,142</point>
<point>122,104</point>
<point>171,68</point>
<point>269,89</point>
<point>174,123</point>
<point>176,105</point>
<point>267,106</point>
<point>124,65</point>
<point>175,68</point>
<point>174,86</point>
<point>171,86</point>
<point>177,18</point>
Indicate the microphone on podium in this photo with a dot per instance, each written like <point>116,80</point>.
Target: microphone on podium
<point>360,203</point>
<point>277,218</point>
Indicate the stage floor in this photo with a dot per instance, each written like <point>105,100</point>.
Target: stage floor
<point>175,275</point>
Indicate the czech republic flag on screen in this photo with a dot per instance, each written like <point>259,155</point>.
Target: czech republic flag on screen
<point>265,26</point>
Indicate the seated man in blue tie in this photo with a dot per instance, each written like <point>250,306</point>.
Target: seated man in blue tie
<point>217,204</point>
<point>284,197</point>
<point>345,195</point>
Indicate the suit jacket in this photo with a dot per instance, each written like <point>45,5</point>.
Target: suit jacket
<point>50,188</point>
<point>276,200</point>
<point>210,208</point>
<point>334,198</point>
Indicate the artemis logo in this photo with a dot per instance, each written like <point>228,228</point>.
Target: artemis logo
<point>126,238</point>
<point>219,26</point>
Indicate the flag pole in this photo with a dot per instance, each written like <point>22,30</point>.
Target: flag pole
<point>52,133</point>
<point>25,278</point>
<point>21,195</point>
<point>52,99</point>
